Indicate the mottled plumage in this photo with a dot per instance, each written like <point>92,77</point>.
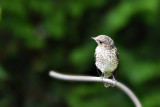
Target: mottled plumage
<point>106,56</point>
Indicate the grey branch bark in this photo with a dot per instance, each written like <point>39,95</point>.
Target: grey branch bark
<point>124,88</point>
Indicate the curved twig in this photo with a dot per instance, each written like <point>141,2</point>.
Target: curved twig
<point>124,88</point>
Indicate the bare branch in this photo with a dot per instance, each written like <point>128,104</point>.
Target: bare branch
<point>98,79</point>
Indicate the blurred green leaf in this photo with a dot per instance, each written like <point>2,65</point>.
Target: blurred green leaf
<point>77,8</point>
<point>118,17</point>
<point>136,70</point>
<point>42,7</point>
<point>95,95</point>
<point>4,100</point>
<point>81,56</point>
<point>0,14</point>
<point>56,25</point>
<point>151,99</point>
<point>29,35</point>
<point>3,73</point>
<point>19,11</point>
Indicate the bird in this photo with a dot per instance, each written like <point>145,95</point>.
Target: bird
<point>106,57</point>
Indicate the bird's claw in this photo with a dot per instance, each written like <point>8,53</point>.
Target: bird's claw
<point>115,82</point>
<point>102,77</point>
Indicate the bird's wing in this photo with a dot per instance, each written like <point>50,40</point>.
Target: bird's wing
<point>117,54</point>
<point>116,70</point>
<point>95,62</point>
<point>95,56</point>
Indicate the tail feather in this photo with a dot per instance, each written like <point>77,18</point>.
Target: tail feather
<point>107,85</point>
<point>107,75</point>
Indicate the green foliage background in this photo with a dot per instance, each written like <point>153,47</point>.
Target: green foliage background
<point>39,35</point>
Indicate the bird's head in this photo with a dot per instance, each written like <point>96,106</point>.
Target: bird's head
<point>103,40</point>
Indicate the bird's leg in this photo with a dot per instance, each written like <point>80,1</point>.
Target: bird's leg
<point>113,77</point>
<point>102,76</point>
<point>98,72</point>
<point>114,80</point>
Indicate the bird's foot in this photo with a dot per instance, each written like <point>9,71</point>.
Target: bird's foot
<point>102,77</point>
<point>115,82</point>
<point>107,84</point>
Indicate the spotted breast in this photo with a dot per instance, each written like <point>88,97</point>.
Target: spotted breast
<point>106,60</point>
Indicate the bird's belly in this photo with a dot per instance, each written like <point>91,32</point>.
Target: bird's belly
<point>106,67</point>
<point>106,61</point>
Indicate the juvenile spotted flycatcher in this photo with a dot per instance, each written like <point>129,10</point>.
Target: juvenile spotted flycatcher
<point>106,57</point>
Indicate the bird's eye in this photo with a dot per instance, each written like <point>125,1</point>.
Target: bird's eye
<point>100,42</point>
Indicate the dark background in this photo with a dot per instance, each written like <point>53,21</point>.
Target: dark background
<point>37,36</point>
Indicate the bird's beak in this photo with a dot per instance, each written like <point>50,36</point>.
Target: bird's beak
<point>93,38</point>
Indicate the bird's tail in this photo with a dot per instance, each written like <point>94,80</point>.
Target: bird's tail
<point>107,85</point>
<point>106,75</point>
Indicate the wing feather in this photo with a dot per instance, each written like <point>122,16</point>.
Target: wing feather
<point>96,66</point>
<point>116,70</point>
